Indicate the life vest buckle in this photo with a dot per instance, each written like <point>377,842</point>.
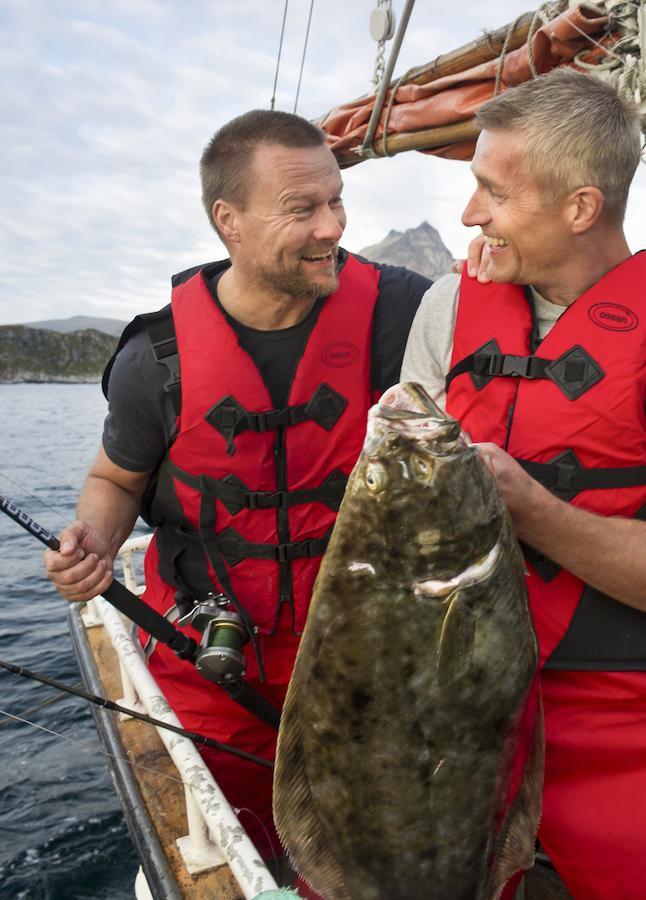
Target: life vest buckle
<point>564,476</point>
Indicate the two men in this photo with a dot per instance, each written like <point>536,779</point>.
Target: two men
<point>546,365</point>
<point>240,460</point>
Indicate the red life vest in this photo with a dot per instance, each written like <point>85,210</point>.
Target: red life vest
<point>255,487</point>
<point>571,410</point>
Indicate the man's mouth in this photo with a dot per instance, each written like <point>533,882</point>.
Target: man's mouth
<point>320,258</point>
<point>495,243</point>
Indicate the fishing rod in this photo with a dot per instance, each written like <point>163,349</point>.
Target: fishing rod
<point>117,594</point>
<point>161,629</point>
<point>200,739</point>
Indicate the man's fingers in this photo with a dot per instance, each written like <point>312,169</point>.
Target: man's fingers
<point>84,580</point>
<point>57,562</point>
<point>474,255</point>
<point>71,538</point>
<point>483,267</point>
<point>88,589</point>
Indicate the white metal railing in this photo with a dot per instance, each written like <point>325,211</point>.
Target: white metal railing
<point>215,834</point>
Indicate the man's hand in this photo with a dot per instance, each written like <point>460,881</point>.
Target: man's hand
<point>82,568</point>
<point>524,497</point>
<point>607,552</point>
<point>477,260</point>
<point>107,511</point>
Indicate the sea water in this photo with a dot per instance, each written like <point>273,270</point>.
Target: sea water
<point>62,835</point>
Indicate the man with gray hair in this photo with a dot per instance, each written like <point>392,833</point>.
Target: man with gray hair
<point>545,367</point>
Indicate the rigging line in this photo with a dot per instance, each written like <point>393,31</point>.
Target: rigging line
<point>300,74</point>
<point>91,749</point>
<point>22,487</point>
<point>32,709</point>
<point>607,50</point>
<point>280,50</point>
<point>199,739</point>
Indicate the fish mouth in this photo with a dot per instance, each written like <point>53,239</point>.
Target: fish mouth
<point>473,574</point>
<point>409,409</point>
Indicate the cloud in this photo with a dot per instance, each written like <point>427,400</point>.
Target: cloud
<point>106,110</point>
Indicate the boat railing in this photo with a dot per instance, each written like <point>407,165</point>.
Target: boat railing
<point>215,836</point>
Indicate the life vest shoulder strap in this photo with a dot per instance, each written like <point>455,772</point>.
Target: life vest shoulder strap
<point>161,331</point>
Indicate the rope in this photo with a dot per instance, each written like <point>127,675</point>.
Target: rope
<point>300,74</point>
<point>542,15</point>
<point>280,50</point>
<point>503,54</point>
<point>391,101</point>
<point>624,66</point>
<point>533,28</point>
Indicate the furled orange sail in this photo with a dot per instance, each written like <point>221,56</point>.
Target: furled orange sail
<point>431,108</point>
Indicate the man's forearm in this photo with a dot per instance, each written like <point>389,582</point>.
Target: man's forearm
<point>609,553</point>
<point>109,509</point>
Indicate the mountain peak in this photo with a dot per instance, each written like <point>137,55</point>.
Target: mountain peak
<point>420,248</point>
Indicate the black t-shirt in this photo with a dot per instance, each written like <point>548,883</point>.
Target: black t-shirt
<point>140,425</point>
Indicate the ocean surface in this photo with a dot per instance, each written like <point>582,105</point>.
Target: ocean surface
<point>62,835</point>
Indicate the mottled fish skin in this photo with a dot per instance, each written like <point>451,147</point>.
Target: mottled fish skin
<point>413,680</point>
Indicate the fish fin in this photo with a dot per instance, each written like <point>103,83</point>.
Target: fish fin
<point>299,828</point>
<point>515,850</point>
<point>455,647</point>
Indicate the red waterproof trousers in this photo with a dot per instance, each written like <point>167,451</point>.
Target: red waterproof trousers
<point>593,824</point>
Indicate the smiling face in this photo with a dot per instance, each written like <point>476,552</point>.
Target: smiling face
<point>288,234</point>
<point>526,232</point>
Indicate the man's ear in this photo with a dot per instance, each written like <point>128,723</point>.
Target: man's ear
<point>225,220</point>
<point>583,208</point>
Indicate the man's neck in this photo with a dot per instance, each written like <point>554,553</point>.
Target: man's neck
<point>259,307</point>
<point>584,268</point>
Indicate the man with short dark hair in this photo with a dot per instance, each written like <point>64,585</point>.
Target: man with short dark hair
<point>546,364</point>
<point>240,456</point>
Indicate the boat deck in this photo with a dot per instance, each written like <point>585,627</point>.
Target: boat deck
<point>153,805</point>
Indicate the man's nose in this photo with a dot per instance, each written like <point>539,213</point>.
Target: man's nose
<point>475,212</point>
<point>329,224</point>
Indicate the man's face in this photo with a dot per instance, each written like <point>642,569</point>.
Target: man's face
<point>289,233</point>
<point>524,230</point>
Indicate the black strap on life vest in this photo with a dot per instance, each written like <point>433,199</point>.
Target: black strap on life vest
<point>163,344</point>
<point>604,635</point>
<point>574,372</point>
<point>236,496</point>
<point>230,418</point>
<point>234,548</point>
<point>565,477</point>
<point>211,547</point>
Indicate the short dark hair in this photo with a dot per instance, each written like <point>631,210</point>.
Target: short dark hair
<point>226,161</point>
<point>578,131</point>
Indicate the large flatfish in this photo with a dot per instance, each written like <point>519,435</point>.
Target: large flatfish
<point>410,752</point>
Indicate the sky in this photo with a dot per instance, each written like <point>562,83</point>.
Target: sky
<point>106,106</point>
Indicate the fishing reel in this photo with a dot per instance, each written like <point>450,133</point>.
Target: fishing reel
<point>224,634</point>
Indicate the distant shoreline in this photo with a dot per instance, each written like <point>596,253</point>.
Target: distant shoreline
<point>50,380</point>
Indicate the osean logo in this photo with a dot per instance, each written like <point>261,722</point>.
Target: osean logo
<point>613,317</point>
<point>340,354</point>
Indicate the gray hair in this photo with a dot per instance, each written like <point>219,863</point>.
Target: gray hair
<point>579,132</point>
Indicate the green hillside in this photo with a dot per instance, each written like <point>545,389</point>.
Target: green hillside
<point>37,354</point>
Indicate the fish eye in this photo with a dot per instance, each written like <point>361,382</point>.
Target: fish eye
<point>422,467</point>
<point>376,477</point>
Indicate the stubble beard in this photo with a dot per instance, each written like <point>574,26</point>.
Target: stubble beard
<point>298,285</point>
